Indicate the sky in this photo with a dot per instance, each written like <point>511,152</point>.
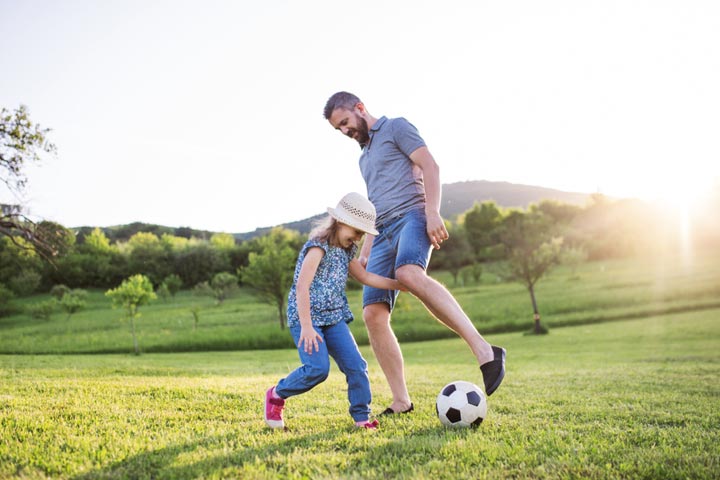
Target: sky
<point>208,114</point>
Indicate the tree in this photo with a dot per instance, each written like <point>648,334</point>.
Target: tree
<point>455,252</point>
<point>531,251</point>
<point>481,225</point>
<point>173,283</point>
<point>149,256</point>
<point>223,285</point>
<point>73,301</point>
<point>271,270</point>
<point>131,295</point>
<point>197,263</point>
<point>22,143</point>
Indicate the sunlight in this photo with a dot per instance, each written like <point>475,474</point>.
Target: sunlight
<point>682,196</point>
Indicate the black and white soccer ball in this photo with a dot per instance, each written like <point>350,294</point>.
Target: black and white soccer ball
<point>461,404</point>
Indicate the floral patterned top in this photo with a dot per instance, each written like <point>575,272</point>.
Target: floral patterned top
<point>328,301</point>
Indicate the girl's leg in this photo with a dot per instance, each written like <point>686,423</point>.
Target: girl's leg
<point>342,347</point>
<point>314,369</point>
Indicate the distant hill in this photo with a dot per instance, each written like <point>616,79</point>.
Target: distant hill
<point>459,197</point>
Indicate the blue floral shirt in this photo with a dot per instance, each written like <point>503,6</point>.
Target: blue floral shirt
<point>328,300</point>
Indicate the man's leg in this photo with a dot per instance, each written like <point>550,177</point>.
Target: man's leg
<point>387,351</point>
<point>440,302</point>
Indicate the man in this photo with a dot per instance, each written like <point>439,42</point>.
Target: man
<point>403,183</point>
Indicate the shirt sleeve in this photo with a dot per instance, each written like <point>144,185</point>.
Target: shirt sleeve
<point>314,243</point>
<point>406,136</point>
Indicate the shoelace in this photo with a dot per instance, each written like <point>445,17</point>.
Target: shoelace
<point>276,409</point>
<point>370,425</point>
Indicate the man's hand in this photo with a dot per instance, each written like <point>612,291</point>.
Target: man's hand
<point>436,231</point>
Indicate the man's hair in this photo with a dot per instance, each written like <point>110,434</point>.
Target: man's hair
<point>343,100</point>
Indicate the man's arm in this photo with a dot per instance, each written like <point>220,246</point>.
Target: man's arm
<point>431,176</point>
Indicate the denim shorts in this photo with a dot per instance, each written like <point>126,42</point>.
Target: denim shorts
<point>402,240</point>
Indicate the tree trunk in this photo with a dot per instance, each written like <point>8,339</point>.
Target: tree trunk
<point>281,316</point>
<point>131,313</point>
<point>536,314</point>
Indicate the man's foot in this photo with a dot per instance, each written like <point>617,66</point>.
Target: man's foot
<point>390,411</point>
<point>494,370</point>
<point>274,406</point>
<point>367,424</point>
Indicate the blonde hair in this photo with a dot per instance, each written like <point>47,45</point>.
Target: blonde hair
<point>325,230</point>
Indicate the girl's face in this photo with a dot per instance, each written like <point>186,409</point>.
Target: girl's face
<point>347,235</point>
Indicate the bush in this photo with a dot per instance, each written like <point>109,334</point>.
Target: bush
<point>59,290</point>
<point>6,305</point>
<point>42,310</point>
<point>26,283</point>
<point>172,283</point>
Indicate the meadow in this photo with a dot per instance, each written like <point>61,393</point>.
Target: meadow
<point>632,399</point>
<point>593,292</point>
<point>624,386</point>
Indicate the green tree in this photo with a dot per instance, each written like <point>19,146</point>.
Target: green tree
<point>7,307</point>
<point>73,301</point>
<point>270,271</point>
<point>223,285</point>
<point>455,252</point>
<point>222,241</point>
<point>173,283</point>
<point>197,263</point>
<point>481,224</point>
<point>22,143</point>
<point>532,249</point>
<point>131,295</point>
<point>149,256</point>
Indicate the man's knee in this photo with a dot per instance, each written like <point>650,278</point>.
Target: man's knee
<point>410,275</point>
<point>376,315</point>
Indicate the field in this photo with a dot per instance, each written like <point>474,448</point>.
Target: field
<point>624,386</point>
<point>595,292</point>
<point>637,399</point>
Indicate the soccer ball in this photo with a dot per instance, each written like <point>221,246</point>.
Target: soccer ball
<point>461,404</point>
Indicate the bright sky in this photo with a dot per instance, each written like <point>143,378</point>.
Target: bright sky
<point>208,114</point>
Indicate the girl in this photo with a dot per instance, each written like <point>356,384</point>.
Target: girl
<point>318,311</point>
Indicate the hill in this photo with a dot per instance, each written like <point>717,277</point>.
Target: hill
<point>459,197</point>
<point>456,199</point>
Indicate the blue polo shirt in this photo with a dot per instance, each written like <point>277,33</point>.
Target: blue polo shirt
<point>394,183</point>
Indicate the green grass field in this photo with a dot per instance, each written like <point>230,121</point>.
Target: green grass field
<point>632,399</point>
<point>595,292</point>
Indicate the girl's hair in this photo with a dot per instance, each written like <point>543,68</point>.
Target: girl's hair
<point>324,230</point>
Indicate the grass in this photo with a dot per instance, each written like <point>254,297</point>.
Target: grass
<point>595,292</point>
<point>634,399</point>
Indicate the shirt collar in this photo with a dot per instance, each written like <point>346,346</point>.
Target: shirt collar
<point>378,124</point>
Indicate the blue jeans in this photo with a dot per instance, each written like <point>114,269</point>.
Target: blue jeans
<point>402,240</point>
<point>339,344</point>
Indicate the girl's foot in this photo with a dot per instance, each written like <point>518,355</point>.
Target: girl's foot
<point>368,424</point>
<point>274,406</point>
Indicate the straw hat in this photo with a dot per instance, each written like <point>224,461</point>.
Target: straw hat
<point>357,211</point>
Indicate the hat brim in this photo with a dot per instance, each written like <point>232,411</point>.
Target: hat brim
<point>342,218</point>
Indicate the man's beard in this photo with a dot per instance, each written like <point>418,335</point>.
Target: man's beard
<point>362,132</point>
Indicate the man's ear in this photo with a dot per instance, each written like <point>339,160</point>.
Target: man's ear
<point>360,107</point>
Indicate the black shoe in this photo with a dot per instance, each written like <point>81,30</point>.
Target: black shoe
<point>494,370</point>
<point>390,411</point>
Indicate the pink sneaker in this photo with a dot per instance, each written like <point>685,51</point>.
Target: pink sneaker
<point>274,409</point>
<point>368,424</point>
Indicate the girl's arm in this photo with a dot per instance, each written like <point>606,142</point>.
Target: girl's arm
<point>358,272</point>
<point>365,250</point>
<point>309,338</point>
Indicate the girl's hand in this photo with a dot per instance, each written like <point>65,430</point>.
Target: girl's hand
<point>309,338</point>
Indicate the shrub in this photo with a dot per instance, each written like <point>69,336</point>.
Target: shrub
<point>42,310</point>
<point>59,290</point>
